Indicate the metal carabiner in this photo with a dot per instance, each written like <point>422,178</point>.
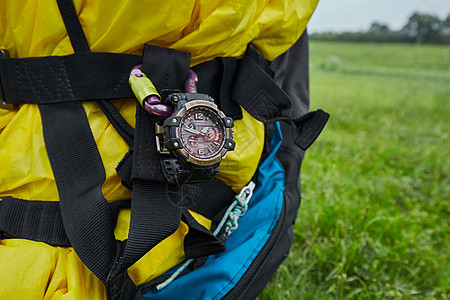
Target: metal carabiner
<point>191,82</point>
<point>147,95</point>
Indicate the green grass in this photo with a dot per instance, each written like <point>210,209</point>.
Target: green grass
<point>374,219</point>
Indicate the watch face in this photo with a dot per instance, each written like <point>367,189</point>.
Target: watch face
<point>202,132</point>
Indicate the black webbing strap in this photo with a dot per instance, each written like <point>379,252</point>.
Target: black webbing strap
<point>154,217</point>
<point>125,130</point>
<point>199,241</point>
<point>76,77</point>
<point>79,174</point>
<point>88,218</point>
<point>73,26</point>
<point>257,92</point>
<point>38,221</point>
<point>41,221</point>
<point>207,198</point>
<point>166,68</point>
<point>227,104</point>
<point>216,79</point>
<point>309,127</point>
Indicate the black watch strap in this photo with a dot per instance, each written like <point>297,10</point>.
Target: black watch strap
<point>186,173</point>
<point>193,173</point>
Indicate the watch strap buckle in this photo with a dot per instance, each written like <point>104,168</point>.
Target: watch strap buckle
<point>159,135</point>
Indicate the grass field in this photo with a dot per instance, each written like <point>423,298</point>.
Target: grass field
<point>375,213</point>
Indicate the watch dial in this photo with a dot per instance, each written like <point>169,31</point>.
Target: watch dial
<point>202,132</point>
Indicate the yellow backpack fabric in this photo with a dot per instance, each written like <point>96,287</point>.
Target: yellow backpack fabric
<point>206,29</point>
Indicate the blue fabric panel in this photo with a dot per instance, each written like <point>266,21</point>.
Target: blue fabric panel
<point>221,272</point>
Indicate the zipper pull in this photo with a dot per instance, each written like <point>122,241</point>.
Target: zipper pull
<point>247,191</point>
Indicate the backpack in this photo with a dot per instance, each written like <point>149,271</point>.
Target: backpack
<point>220,236</point>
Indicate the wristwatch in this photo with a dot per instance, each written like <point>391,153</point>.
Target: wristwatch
<point>197,134</point>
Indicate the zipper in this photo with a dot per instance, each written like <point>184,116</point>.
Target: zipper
<point>252,269</point>
<point>254,266</point>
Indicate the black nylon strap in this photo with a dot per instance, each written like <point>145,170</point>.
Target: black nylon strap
<point>259,59</point>
<point>125,130</point>
<point>216,78</point>
<point>199,241</point>
<point>88,218</point>
<point>146,162</point>
<point>154,217</point>
<point>122,287</point>
<point>76,77</point>
<point>207,198</point>
<point>229,69</point>
<point>166,68</point>
<point>209,78</point>
<point>79,174</point>
<point>73,26</point>
<point>98,76</point>
<point>259,94</point>
<point>39,221</point>
<point>76,163</point>
<point>124,169</point>
<point>309,127</point>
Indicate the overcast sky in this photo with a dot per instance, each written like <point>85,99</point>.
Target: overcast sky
<point>354,15</point>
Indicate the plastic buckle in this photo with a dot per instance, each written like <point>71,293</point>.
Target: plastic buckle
<point>3,104</point>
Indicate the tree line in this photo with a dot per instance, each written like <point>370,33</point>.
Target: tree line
<point>420,29</point>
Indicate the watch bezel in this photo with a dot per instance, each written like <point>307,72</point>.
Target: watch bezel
<point>175,143</point>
